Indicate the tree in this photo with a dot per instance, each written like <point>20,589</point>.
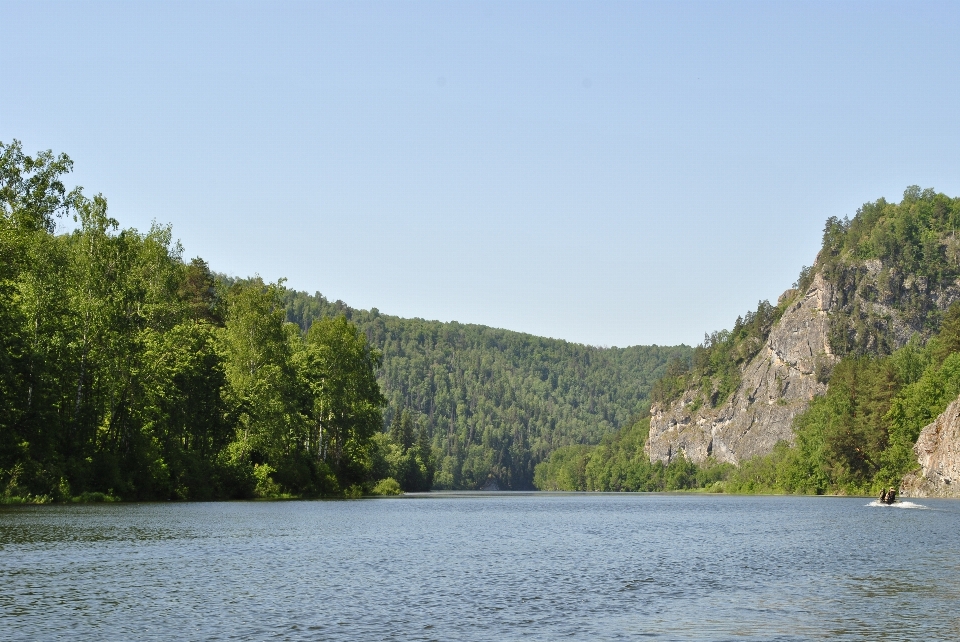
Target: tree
<point>199,293</point>
<point>32,264</point>
<point>346,411</point>
<point>401,430</point>
<point>32,194</point>
<point>260,368</point>
<point>948,341</point>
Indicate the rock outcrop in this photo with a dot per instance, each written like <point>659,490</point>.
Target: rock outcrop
<point>938,452</point>
<point>793,365</point>
<point>775,386</point>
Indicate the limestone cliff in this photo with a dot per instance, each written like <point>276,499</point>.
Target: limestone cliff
<point>938,452</point>
<point>862,306</point>
<point>775,385</point>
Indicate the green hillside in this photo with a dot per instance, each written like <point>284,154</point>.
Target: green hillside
<point>494,402</point>
<point>893,269</point>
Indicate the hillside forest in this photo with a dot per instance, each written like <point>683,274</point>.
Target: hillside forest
<point>128,372</point>
<point>857,438</point>
<point>495,403</point>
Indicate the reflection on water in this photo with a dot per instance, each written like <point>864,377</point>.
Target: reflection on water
<point>480,567</point>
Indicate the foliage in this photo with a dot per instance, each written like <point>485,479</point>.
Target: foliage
<point>716,364</point>
<point>494,403</point>
<point>619,463</point>
<point>388,486</point>
<point>127,373</point>
<point>404,454</point>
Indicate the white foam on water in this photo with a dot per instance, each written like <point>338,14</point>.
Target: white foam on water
<point>878,504</point>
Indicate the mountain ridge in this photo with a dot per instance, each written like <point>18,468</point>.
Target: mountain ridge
<point>496,402</point>
<point>880,279</point>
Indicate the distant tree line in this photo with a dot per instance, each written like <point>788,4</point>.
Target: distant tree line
<point>620,464</point>
<point>494,403</point>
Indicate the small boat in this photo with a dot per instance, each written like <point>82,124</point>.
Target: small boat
<point>888,496</point>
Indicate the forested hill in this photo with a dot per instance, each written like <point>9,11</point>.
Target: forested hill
<point>127,372</point>
<point>826,392</point>
<point>494,402</point>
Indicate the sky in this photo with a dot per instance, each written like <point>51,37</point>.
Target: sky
<point>609,173</point>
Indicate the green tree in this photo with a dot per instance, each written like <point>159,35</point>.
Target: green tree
<point>263,383</point>
<point>401,429</point>
<point>346,412</point>
<point>32,197</point>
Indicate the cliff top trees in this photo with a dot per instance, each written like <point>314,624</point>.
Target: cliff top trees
<point>715,366</point>
<point>903,256</point>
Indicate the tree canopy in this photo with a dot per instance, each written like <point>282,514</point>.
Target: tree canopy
<point>129,372</point>
<point>494,403</point>
<point>126,372</point>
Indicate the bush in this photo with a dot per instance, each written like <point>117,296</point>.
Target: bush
<point>388,486</point>
<point>95,498</point>
<point>266,487</point>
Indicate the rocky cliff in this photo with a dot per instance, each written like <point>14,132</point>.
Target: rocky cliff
<point>775,385</point>
<point>938,452</point>
<point>862,306</point>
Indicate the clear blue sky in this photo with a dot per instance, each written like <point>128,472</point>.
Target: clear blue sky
<point>607,173</point>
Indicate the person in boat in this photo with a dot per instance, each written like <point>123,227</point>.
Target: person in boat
<point>883,496</point>
<point>891,495</point>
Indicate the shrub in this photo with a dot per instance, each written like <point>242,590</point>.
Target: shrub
<point>388,486</point>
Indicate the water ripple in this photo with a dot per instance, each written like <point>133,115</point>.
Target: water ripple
<point>503,566</point>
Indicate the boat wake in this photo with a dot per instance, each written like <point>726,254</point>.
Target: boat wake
<point>878,504</point>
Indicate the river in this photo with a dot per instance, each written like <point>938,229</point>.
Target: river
<point>475,566</point>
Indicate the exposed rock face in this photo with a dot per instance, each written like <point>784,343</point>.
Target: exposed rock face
<point>882,310</point>
<point>776,385</point>
<point>938,451</point>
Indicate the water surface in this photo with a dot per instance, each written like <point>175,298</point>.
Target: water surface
<point>500,566</point>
